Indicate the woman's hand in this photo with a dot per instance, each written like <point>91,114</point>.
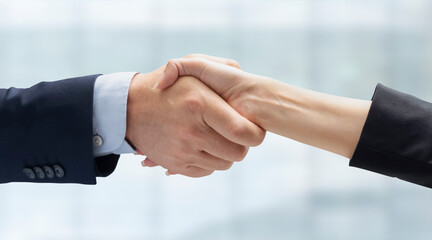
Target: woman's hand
<point>325,121</point>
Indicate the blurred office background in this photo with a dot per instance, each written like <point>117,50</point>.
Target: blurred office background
<point>283,189</point>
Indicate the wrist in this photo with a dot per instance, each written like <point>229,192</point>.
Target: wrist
<point>144,80</point>
<point>261,100</point>
<point>248,97</point>
<point>139,103</point>
<point>321,120</point>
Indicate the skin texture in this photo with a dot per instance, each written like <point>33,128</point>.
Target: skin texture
<point>325,121</point>
<point>187,129</point>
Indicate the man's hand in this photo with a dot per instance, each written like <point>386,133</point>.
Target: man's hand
<point>187,129</point>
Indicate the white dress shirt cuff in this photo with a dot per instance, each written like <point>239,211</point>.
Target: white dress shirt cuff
<point>109,114</point>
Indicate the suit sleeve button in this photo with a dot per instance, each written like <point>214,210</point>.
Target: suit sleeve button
<point>39,172</point>
<point>49,172</point>
<point>97,141</point>
<point>58,171</point>
<point>29,173</point>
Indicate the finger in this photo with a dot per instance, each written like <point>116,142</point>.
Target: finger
<point>192,171</point>
<point>231,125</point>
<point>172,71</point>
<point>218,146</point>
<point>168,77</point>
<point>210,162</point>
<point>225,61</point>
<point>217,76</point>
<point>169,173</point>
<point>148,163</point>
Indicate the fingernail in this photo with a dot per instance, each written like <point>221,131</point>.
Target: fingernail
<point>167,173</point>
<point>158,81</point>
<point>143,164</point>
<point>156,85</point>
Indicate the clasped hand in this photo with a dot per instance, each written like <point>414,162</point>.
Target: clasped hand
<point>188,128</point>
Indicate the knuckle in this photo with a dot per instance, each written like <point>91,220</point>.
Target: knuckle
<point>241,153</point>
<point>188,135</point>
<point>194,103</point>
<point>243,106</point>
<point>238,129</point>
<point>192,55</point>
<point>253,133</point>
<point>187,163</point>
<point>180,160</point>
<point>226,165</point>
<point>233,63</point>
<point>206,173</point>
<point>172,62</point>
<point>198,174</point>
<point>259,138</point>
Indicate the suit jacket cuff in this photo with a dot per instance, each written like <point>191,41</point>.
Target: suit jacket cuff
<point>397,137</point>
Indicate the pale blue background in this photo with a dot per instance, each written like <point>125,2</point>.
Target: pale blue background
<point>283,189</point>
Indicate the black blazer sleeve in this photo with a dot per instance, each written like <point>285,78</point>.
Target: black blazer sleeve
<point>46,134</point>
<point>397,137</point>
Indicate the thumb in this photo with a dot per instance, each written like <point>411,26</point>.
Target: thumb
<point>170,75</point>
<point>217,76</point>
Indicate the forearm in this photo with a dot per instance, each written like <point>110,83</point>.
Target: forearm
<point>388,135</point>
<point>325,121</point>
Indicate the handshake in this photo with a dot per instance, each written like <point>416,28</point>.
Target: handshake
<point>200,113</point>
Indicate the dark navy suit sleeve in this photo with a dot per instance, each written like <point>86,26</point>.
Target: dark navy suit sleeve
<point>397,137</point>
<point>49,127</point>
